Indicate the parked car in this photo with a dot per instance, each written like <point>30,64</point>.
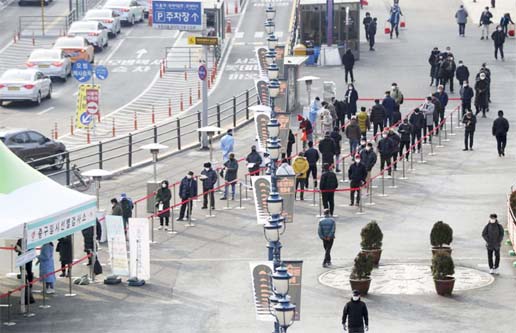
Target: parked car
<point>33,147</point>
<point>77,48</point>
<point>106,17</point>
<point>33,2</point>
<point>24,85</point>
<point>145,5</point>
<point>51,62</point>
<point>94,32</point>
<point>129,10</point>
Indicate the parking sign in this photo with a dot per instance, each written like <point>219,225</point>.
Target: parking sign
<point>177,15</point>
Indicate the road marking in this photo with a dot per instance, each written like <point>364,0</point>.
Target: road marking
<point>46,110</point>
<point>140,53</point>
<point>6,47</point>
<point>151,37</point>
<point>257,34</point>
<point>112,53</point>
<point>239,34</point>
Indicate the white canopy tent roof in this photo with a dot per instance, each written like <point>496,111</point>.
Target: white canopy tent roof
<point>48,210</point>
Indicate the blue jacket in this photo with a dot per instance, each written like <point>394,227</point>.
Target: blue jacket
<point>312,115</point>
<point>46,262</point>
<point>188,188</point>
<point>389,104</point>
<point>357,172</point>
<point>226,145</point>
<point>443,98</point>
<point>326,228</point>
<point>395,15</point>
<point>210,181</point>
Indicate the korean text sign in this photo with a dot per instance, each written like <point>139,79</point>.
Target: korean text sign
<point>178,15</point>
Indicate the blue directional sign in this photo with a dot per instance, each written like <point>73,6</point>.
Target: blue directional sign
<point>85,118</point>
<point>82,70</point>
<point>177,15</point>
<point>101,72</point>
<point>202,72</point>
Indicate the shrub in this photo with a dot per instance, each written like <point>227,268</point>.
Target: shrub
<point>362,267</point>
<point>372,236</point>
<point>442,266</point>
<point>441,234</point>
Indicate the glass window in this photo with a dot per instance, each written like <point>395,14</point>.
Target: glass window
<point>35,137</point>
<point>19,138</point>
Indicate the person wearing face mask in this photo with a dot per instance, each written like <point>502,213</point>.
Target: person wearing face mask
<point>462,73</point>
<point>209,178</point>
<point>438,111</point>
<point>485,21</point>
<point>116,208</point>
<point>462,18</point>
<point>441,73</point>
<point>493,234</point>
<point>385,148</point>
<point>162,203</point>
<point>285,169</point>
<point>498,37</point>
<point>378,116</point>
<point>368,158</point>
<point>357,174</point>
<point>396,142</point>
<point>363,145</point>
<point>405,130</point>
<point>300,167</point>
<point>397,95</point>
<point>337,138</point>
<point>315,107</point>
<point>326,232</point>
<point>348,60</point>
<point>351,99</point>
<point>418,122</point>
<point>366,21</point>
<point>254,160</point>
<point>353,134</point>
<point>428,109</point>
<point>481,95</point>
<point>227,144</point>
<point>187,192</point>
<point>312,157</point>
<point>487,76</point>
<point>328,185</point>
<point>449,67</point>
<point>466,95</point>
<point>389,105</point>
<point>355,313</point>
<point>443,99</point>
<point>433,61</point>
<point>371,30</point>
<point>363,122</point>
<point>394,19</point>
<point>231,167</point>
<point>469,122</point>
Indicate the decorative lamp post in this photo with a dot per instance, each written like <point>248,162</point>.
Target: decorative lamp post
<point>270,12</point>
<point>269,27</point>
<point>272,41</point>
<point>273,71</point>
<point>270,57</point>
<point>284,313</point>
<point>274,87</point>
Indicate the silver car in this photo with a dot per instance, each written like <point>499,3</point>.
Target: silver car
<point>51,62</point>
<point>106,17</point>
<point>129,10</point>
<point>94,32</point>
<point>24,85</point>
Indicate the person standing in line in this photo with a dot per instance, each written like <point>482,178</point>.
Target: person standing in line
<point>348,60</point>
<point>300,166</point>
<point>231,172</point>
<point>397,95</point>
<point>326,118</point>
<point>363,122</point>
<point>449,67</point>
<point>366,21</point>
<point>285,169</point>
<point>328,185</point>
<point>504,22</point>
<point>433,60</point>
<point>326,231</point>
<point>306,130</point>
<point>162,203</point>
<point>378,116</point>
<point>368,158</point>
<point>418,122</point>
<point>333,111</point>
<point>127,209</point>
<point>315,107</point>
<point>227,144</point>
<point>372,33</point>
<point>405,130</point>
<point>487,76</point>
<point>396,143</point>
<point>466,95</point>
<point>428,109</point>
<point>312,157</point>
<point>442,96</point>
<point>493,234</point>
<point>462,18</point>
<point>337,138</point>
<point>394,19</point>
<point>187,193</point>
<point>46,266</point>
<point>340,110</point>
<point>385,148</point>
<point>500,129</point>
<point>438,111</point>
<point>357,174</point>
<point>396,117</point>
<point>64,247</point>
<point>290,142</point>
<point>351,99</point>
<point>327,148</point>
<point>389,105</point>
<point>440,71</point>
<point>482,95</point>
<point>255,160</point>
<point>485,21</point>
<point>353,134</point>
<point>355,312</point>
<point>498,37</point>
<point>462,73</point>
<point>208,178</point>
<point>469,122</point>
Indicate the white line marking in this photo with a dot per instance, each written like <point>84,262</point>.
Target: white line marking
<point>112,53</point>
<point>2,50</point>
<point>239,34</point>
<point>258,34</point>
<point>46,110</point>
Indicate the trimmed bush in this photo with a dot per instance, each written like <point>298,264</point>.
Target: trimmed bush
<point>362,267</point>
<point>441,234</point>
<point>442,266</point>
<point>372,236</point>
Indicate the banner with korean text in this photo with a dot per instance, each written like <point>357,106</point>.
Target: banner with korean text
<point>139,247</point>
<point>117,245</point>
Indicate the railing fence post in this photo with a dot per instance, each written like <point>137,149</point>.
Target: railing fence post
<point>178,124</point>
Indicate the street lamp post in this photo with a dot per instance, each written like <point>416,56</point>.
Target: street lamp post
<point>154,148</point>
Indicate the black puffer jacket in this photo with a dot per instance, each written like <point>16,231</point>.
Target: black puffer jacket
<point>377,114</point>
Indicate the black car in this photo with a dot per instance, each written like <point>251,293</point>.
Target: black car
<point>33,147</point>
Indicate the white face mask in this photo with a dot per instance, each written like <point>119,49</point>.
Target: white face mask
<point>189,176</point>
<point>499,29</point>
<point>356,298</point>
<point>207,169</point>
<point>492,220</point>
<point>357,161</point>
<point>465,85</point>
<point>164,185</point>
<point>393,87</point>
<point>384,136</point>
<point>368,148</point>
<point>350,88</point>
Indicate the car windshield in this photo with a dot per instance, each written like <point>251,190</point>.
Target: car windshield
<point>69,43</point>
<point>98,14</point>
<point>117,3</point>
<point>83,26</point>
<point>15,75</point>
<point>45,55</point>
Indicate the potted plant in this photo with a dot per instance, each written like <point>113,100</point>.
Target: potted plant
<point>360,277</point>
<point>371,244</point>
<point>441,235</point>
<point>442,271</point>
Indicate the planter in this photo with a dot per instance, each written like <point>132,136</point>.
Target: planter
<point>444,249</point>
<point>361,285</point>
<point>375,254</point>
<point>444,287</point>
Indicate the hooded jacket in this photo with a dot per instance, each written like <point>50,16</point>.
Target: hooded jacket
<point>326,229</point>
<point>300,166</point>
<point>462,16</point>
<point>348,60</point>
<point>363,121</point>
<point>493,235</point>
<point>356,314</point>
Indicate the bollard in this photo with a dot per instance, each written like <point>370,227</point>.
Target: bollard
<point>9,322</point>
<point>431,148</point>
<point>29,314</point>
<point>135,121</point>
<point>33,39</point>
<point>44,305</point>
<point>71,125</point>
<point>190,98</point>
<point>186,75</point>
<point>383,185</point>
<point>169,108</point>
<point>88,138</point>
<point>240,196</point>
<point>393,172</point>
<point>422,160</point>
<point>228,26</point>
<point>403,175</point>
<point>198,90</point>
<point>181,105</point>
<point>113,127</point>
<point>153,115</point>
<point>56,135</point>
<point>161,69</point>
<point>70,293</point>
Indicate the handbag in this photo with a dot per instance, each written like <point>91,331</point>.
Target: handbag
<point>387,28</point>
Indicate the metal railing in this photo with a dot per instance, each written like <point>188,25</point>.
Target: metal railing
<point>187,58</point>
<point>178,134</point>
<point>50,26</point>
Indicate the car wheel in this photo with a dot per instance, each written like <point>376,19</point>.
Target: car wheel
<point>58,162</point>
<point>92,60</point>
<point>38,99</point>
<point>49,95</point>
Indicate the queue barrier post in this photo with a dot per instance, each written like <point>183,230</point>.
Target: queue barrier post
<point>227,200</point>
<point>174,198</point>
<point>70,292</point>
<point>422,160</point>
<point>8,306</point>
<point>458,119</point>
<point>239,196</point>
<point>313,198</point>
<point>360,205</point>
<point>28,314</point>
<point>246,183</point>
<point>344,170</point>
<point>320,206</point>
<point>440,144</point>
<point>190,224</point>
<point>412,159</point>
<point>152,227</point>
<point>432,153</point>
<point>172,223</point>
<point>13,269</point>
<point>370,186</point>
<point>210,210</point>
<point>403,172</point>
<point>393,169</point>
<point>446,130</point>
<point>383,184</point>
<point>451,124</point>
<point>44,292</point>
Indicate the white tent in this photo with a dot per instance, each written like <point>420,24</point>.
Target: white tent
<point>29,199</point>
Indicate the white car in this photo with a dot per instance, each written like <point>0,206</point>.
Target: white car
<point>129,10</point>
<point>24,85</point>
<point>94,32</point>
<point>106,17</point>
<point>51,62</point>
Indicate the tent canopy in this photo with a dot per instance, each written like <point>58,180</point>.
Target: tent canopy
<point>49,210</point>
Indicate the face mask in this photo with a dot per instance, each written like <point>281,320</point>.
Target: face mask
<point>465,85</point>
<point>393,87</point>
<point>363,144</point>
<point>356,298</point>
<point>189,176</point>
<point>384,136</point>
<point>492,220</point>
<point>207,169</point>
<point>357,161</point>
<point>368,148</point>
<point>499,29</point>
<point>164,185</point>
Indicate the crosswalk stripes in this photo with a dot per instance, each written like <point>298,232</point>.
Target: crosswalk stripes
<point>258,34</point>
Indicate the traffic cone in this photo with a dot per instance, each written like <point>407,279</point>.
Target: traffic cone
<point>198,90</point>
<point>190,98</point>
<point>186,75</point>
<point>56,135</point>
<point>227,7</point>
<point>153,116</point>
<point>169,108</point>
<point>113,130</point>
<point>71,125</point>
<point>135,121</point>
<point>181,105</point>
<point>236,6</point>
<point>209,84</point>
<point>88,138</point>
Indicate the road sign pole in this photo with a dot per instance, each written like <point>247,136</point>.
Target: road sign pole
<point>204,118</point>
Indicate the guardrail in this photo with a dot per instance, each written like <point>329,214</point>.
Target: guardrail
<point>125,152</point>
<point>187,58</point>
<point>50,26</point>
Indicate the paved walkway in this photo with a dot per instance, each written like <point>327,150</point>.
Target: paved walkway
<point>200,277</point>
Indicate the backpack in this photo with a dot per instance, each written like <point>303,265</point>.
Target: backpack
<point>127,207</point>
